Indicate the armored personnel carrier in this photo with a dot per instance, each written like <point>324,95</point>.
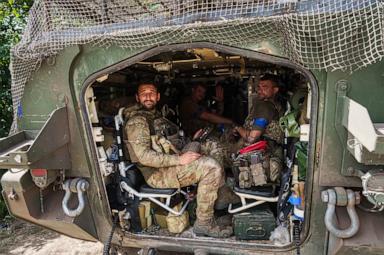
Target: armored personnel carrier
<point>75,73</point>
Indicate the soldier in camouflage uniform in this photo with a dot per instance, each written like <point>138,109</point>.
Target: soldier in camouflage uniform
<point>263,123</point>
<point>195,116</point>
<point>164,167</point>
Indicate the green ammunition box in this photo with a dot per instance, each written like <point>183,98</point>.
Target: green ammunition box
<point>254,224</point>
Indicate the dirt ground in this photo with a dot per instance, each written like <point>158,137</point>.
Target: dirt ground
<point>19,237</point>
<point>24,238</point>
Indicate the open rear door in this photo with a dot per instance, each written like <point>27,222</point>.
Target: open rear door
<point>33,185</point>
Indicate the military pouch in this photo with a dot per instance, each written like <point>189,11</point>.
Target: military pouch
<point>162,145</point>
<point>245,177</point>
<point>165,144</point>
<point>145,214</point>
<point>177,224</point>
<point>258,174</point>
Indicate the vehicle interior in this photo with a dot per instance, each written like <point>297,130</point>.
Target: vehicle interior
<point>272,213</point>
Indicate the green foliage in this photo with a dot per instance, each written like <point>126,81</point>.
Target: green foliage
<point>13,14</point>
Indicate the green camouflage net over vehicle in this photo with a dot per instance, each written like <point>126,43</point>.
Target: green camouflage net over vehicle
<point>317,34</point>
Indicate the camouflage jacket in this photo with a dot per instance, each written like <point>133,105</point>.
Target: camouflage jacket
<point>271,111</point>
<point>142,143</point>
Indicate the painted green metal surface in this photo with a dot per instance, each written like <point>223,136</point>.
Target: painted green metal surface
<point>367,88</point>
<point>93,59</point>
<point>61,82</point>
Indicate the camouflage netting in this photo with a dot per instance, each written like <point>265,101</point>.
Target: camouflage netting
<point>317,34</point>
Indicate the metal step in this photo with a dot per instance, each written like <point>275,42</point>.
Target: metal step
<point>47,148</point>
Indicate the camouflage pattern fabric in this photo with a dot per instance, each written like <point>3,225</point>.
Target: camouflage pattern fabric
<point>272,158</point>
<point>139,145</point>
<point>213,148</point>
<point>192,146</point>
<point>162,170</point>
<point>130,111</point>
<point>258,174</point>
<point>205,171</point>
<point>245,178</point>
<point>274,132</point>
<point>275,168</point>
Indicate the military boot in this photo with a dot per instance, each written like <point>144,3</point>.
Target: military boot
<point>225,196</point>
<point>224,220</point>
<point>212,229</point>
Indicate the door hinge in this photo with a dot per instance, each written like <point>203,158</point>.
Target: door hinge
<point>317,158</point>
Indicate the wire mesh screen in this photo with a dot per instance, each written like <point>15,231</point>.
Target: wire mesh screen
<point>317,34</point>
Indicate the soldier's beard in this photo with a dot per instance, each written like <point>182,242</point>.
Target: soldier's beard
<point>149,105</point>
<point>262,97</point>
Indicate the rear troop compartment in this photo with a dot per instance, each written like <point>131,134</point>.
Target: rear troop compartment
<point>175,72</point>
<point>77,64</point>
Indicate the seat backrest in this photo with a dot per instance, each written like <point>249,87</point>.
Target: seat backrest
<point>134,178</point>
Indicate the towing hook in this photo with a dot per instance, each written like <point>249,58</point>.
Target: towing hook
<point>78,186</point>
<point>341,197</point>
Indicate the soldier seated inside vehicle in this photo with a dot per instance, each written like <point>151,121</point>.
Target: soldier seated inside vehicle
<point>262,123</point>
<point>225,116</point>
<point>164,167</point>
<point>194,115</point>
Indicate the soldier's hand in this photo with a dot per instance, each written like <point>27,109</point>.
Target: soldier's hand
<point>188,157</point>
<point>235,131</point>
<point>197,134</point>
<point>219,93</point>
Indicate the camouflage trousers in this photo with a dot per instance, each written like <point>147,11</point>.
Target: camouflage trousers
<point>205,171</point>
<point>213,147</point>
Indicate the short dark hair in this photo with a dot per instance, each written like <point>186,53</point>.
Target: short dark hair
<point>146,83</point>
<point>199,84</point>
<point>271,77</point>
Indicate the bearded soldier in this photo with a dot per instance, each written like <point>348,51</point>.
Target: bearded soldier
<point>163,167</point>
<point>262,123</point>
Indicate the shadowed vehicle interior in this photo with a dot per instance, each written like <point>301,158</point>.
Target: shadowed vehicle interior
<point>269,213</point>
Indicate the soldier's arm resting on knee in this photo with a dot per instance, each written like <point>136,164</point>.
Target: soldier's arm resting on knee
<point>249,135</point>
<point>139,139</point>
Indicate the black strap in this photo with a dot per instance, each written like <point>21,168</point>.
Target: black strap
<point>133,209</point>
<point>270,140</point>
<point>296,235</point>
<point>283,206</point>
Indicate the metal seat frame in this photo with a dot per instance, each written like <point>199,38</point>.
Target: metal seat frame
<point>244,206</point>
<point>156,198</point>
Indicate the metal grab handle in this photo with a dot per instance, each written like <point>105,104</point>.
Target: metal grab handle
<point>78,186</point>
<point>330,197</point>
